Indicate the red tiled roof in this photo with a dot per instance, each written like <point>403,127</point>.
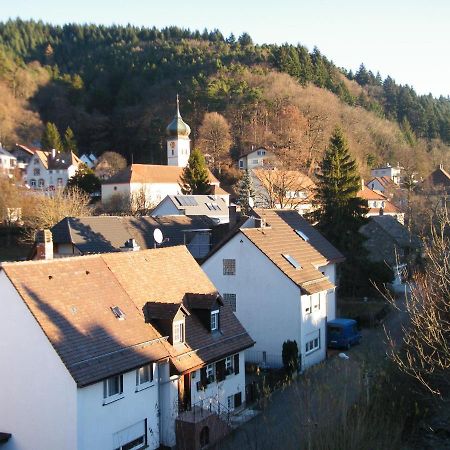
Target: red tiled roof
<point>71,299</point>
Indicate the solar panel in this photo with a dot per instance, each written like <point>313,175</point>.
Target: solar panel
<point>186,200</point>
<point>302,235</point>
<point>291,260</point>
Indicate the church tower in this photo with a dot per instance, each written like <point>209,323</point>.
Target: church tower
<point>178,142</point>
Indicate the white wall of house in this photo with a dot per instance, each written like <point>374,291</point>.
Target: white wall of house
<point>38,177</point>
<point>220,391</point>
<point>99,423</point>
<point>155,192</point>
<point>168,401</point>
<point>166,208</point>
<point>267,302</point>
<point>7,163</point>
<point>330,271</point>
<point>38,398</point>
<point>394,173</point>
<point>178,151</point>
<point>108,190</point>
<point>258,158</point>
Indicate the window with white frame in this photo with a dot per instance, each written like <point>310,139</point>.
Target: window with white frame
<point>255,161</point>
<point>210,373</point>
<point>131,438</point>
<point>112,388</point>
<point>230,299</point>
<point>41,182</point>
<point>312,342</point>
<point>178,332</point>
<point>144,376</point>
<point>229,267</point>
<point>215,320</point>
<point>33,183</point>
<point>229,365</point>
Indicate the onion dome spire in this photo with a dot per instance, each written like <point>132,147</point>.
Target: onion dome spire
<point>178,128</point>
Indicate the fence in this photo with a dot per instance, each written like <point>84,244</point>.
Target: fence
<point>263,359</point>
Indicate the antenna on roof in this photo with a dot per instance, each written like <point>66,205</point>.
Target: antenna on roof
<point>157,236</point>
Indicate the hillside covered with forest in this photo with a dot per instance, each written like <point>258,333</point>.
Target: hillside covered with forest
<point>115,87</point>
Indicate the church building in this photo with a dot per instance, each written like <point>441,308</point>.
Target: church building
<point>155,182</point>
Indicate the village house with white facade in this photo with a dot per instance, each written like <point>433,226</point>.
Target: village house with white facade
<point>48,171</point>
<point>279,275</point>
<point>254,158</point>
<point>129,350</point>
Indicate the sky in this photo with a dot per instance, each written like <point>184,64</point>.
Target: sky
<point>408,40</point>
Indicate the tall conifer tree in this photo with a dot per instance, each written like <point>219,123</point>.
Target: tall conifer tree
<point>245,192</point>
<point>51,138</point>
<point>70,144</point>
<point>195,179</point>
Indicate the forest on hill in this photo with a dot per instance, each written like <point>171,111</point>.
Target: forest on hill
<point>115,86</point>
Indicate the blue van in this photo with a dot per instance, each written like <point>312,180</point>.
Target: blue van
<point>342,333</point>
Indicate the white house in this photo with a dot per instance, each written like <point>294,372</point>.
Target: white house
<point>394,173</point>
<point>260,157</point>
<point>213,206</point>
<point>155,182</point>
<point>120,352</point>
<point>48,171</point>
<point>379,204</point>
<point>8,162</point>
<point>385,185</point>
<point>90,160</point>
<point>279,275</point>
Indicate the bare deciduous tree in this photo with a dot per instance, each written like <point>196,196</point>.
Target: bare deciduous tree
<point>215,139</point>
<point>425,350</point>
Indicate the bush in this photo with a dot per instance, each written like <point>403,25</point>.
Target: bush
<point>290,357</point>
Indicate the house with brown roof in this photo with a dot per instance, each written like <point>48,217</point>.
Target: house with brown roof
<point>385,185</point>
<point>279,275</point>
<point>117,350</point>
<point>48,171</point>
<point>379,204</point>
<point>438,181</point>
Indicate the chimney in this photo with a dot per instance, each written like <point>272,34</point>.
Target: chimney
<point>362,183</point>
<point>441,166</point>
<point>232,214</point>
<point>130,246</point>
<point>44,244</point>
<point>53,153</point>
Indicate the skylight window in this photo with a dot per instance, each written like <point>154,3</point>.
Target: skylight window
<point>302,235</point>
<point>292,261</point>
<point>118,313</point>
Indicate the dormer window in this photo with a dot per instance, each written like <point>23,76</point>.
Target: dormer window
<point>215,320</point>
<point>178,332</point>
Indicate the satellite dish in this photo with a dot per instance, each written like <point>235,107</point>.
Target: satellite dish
<point>251,202</point>
<point>158,236</point>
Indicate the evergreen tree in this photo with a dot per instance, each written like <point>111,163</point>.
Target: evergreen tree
<point>51,138</point>
<point>85,179</point>
<point>195,178</point>
<point>245,192</point>
<point>341,213</point>
<point>70,144</point>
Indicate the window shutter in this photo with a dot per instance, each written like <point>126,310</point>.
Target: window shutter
<point>237,400</point>
<point>236,364</point>
<point>203,381</point>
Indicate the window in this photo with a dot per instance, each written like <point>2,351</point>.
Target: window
<point>308,305</point>
<point>131,438</point>
<point>36,172</point>
<point>291,260</point>
<point>230,299</point>
<point>214,320</point>
<point>229,267</point>
<point>210,373</point>
<point>41,182</point>
<point>230,402</point>
<point>112,389</point>
<point>36,161</point>
<point>241,164</point>
<point>229,365</point>
<point>144,377</point>
<point>312,342</point>
<point>261,152</point>
<point>118,313</point>
<point>255,161</point>
<point>60,182</point>
<point>33,183</point>
<point>178,332</point>
<point>302,235</point>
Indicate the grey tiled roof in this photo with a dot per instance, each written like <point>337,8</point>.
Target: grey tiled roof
<point>102,234</point>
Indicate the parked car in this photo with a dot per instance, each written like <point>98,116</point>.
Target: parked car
<point>342,333</point>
